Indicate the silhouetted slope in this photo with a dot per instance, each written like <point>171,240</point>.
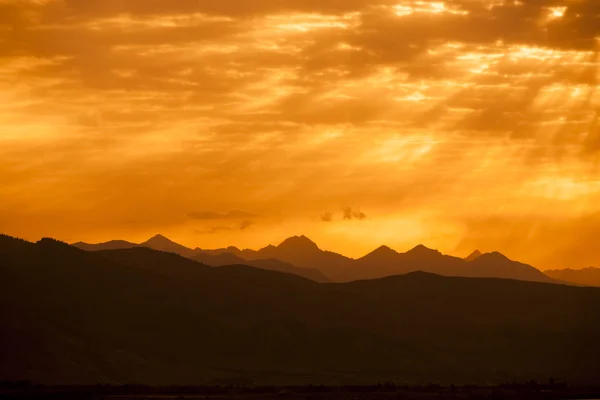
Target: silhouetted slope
<point>474,256</point>
<point>499,266</point>
<point>159,242</point>
<point>163,263</point>
<point>142,316</point>
<point>301,256</point>
<point>215,252</point>
<point>587,276</point>
<point>386,262</point>
<point>226,258</point>
<point>219,257</point>
<point>303,252</point>
<point>112,245</point>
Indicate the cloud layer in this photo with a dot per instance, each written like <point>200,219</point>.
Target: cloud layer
<point>121,118</point>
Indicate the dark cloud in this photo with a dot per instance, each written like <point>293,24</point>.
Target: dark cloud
<point>327,217</point>
<point>350,214</point>
<point>213,230</point>
<point>225,228</point>
<point>246,224</point>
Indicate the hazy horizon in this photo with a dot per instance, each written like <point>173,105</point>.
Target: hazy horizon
<point>277,242</point>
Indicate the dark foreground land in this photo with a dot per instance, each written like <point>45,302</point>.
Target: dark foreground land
<point>378,392</point>
<point>70,317</point>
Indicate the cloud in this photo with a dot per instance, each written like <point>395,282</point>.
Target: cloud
<point>225,228</point>
<point>213,230</point>
<point>235,214</point>
<point>327,217</point>
<point>545,242</point>
<point>469,107</point>
<point>349,214</point>
<point>246,224</point>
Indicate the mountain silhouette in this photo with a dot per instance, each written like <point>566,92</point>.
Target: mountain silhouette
<point>111,245</point>
<point>421,251</point>
<point>586,276</point>
<point>386,262</point>
<point>159,242</point>
<point>298,244</point>
<point>473,256</point>
<point>143,316</point>
<point>227,258</point>
<point>302,256</point>
<point>497,265</point>
<point>231,249</point>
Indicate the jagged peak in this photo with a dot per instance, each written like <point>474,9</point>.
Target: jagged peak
<point>300,242</point>
<point>381,250</point>
<point>422,249</point>
<point>474,255</point>
<point>495,256</point>
<point>159,239</point>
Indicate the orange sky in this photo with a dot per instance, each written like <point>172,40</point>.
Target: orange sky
<point>459,124</point>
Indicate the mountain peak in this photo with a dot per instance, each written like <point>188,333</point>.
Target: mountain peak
<point>494,256</point>
<point>422,250</point>
<point>384,250</point>
<point>473,256</point>
<point>379,254</point>
<point>299,243</point>
<point>162,243</point>
<point>159,238</point>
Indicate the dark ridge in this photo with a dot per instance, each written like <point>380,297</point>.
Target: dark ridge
<point>301,256</point>
<point>587,276</point>
<point>151,317</point>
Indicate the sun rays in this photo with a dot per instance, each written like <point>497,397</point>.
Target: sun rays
<point>447,110</point>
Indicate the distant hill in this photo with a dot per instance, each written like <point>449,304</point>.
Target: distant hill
<point>384,261</point>
<point>226,258</point>
<point>157,242</point>
<point>498,265</point>
<point>587,276</point>
<point>112,245</point>
<point>143,316</point>
<point>301,256</point>
<point>303,252</point>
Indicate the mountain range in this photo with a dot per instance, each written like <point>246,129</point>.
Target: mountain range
<point>143,316</point>
<point>301,256</point>
<point>586,276</point>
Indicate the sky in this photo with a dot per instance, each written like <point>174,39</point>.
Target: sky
<point>459,124</point>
